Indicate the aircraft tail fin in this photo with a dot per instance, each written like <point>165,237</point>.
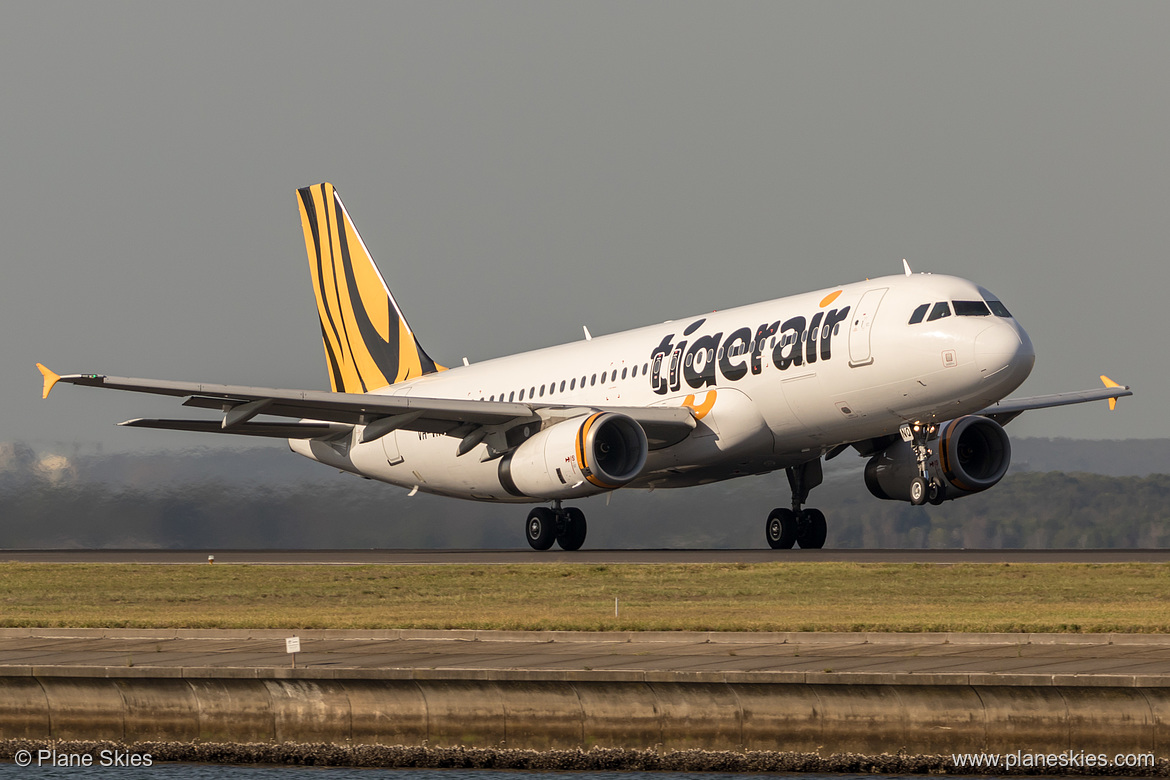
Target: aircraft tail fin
<point>367,341</point>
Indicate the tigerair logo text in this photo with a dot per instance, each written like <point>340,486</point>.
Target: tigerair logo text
<point>699,359</point>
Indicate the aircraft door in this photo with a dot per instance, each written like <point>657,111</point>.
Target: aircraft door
<point>860,351</point>
<point>656,372</point>
<point>390,446</point>
<point>390,442</point>
<point>675,360</point>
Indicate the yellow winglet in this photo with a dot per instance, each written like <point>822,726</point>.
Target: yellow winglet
<point>1110,383</point>
<point>50,379</point>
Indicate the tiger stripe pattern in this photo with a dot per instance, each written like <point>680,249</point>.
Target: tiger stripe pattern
<point>368,343</point>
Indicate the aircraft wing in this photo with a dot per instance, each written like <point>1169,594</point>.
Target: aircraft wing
<point>1008,409</point>
<point>334,414</point>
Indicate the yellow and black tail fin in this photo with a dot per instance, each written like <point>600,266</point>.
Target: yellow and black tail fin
<point>367,341</point>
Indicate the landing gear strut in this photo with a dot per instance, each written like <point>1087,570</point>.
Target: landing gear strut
<point>804,527</point>
<point>922,487</point>
<point>567,527</point>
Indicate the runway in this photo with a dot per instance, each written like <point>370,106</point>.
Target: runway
<point>1016,659</point>
<point>595,557</point>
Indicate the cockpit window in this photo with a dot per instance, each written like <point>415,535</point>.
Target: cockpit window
<point>919,313</point>
<point>940,310</point>
<point>971,309</point>
<point>997,308</point>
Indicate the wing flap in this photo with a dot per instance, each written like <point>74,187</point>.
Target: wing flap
<point>276,430</point>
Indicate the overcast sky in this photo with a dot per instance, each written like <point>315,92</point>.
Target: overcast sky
<point>519,169</point>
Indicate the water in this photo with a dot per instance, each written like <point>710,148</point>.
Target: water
<point>161,771</point>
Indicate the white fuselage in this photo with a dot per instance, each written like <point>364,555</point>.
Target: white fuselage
<point>774,384</point>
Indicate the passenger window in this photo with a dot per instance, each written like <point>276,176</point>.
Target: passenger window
<point>532,392</point>
<point>919,313</point>
<point>512,396</point>
<point>573,384</point>
<point>562,386</point>
<point>998,309</point>
<point>624,370</point>
<point>521,394</point>
<point>542,391</point>
<point>940,310</point>
<point>593,380</point>
<point>971,309</point>
<point>645,368</point>
<point>634,372</point>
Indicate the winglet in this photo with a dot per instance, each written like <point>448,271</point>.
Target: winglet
<point>1108,383</point>
<point>50,380</point>
<point>906,267</point>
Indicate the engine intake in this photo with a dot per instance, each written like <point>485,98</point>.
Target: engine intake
<point>969,455</point>
<point>582,456</point>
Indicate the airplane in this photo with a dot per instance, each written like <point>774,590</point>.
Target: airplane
<point>911,371</point>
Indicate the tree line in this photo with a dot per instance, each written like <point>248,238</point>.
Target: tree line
<point>1026,510</point>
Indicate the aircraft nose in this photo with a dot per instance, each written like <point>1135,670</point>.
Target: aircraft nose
<point>1004,351</point>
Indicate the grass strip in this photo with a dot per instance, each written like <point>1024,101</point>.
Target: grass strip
<point>1073,598</point>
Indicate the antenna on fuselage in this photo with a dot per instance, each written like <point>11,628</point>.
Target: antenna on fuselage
<point>906,266</point>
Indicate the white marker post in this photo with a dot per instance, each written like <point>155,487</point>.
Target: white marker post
<point>293,645</point>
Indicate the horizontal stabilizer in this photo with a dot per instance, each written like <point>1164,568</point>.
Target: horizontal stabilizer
<point>276,430</point>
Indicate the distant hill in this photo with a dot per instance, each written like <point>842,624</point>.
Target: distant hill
<point>1116,458</point>
<point>266,497</point>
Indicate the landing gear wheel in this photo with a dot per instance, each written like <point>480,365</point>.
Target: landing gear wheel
<point>811,529</point>
<point>573,535</point>
<point>781,529</point>
<point>918,491</point>
<point>542,528</point>
<point>936,493</point>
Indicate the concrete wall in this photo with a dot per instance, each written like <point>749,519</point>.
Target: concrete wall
<point>580,709</point>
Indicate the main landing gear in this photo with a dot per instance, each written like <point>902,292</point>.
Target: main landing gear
<point>566,527</point>
<point>805,527</point>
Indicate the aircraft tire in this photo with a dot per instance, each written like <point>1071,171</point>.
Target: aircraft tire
<point>575,530</point>
<point>918,491</point>
<point>936,492</point>
<point>812,530</point>
<point>541,529</point>
<point>781,529</point>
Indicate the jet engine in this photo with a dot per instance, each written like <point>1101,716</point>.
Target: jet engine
<point>969,454</point>
<point>578,457</point>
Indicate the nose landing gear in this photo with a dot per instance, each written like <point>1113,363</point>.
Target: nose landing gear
<point>922,487</point>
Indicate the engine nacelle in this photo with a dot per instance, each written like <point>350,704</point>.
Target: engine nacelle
<point>970,454</point>
<point>578,457</point>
